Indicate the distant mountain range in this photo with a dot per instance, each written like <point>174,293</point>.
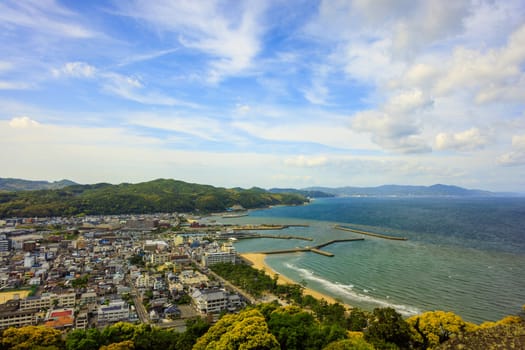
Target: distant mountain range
<point>437,190</point>
<point>10,184</point>
<point>15,185</point>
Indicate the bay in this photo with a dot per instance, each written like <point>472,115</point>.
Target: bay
<point>464,255</point>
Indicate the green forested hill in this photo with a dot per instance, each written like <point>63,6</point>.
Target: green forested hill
<point>11,184</point>
<point>148,197</point>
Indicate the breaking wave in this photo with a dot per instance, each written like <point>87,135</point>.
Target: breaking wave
<point>348,291</point>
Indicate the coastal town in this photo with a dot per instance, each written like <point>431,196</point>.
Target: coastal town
<point>92,271</point>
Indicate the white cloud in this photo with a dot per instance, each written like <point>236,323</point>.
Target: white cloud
<point>316,94</point>
<point>408,102</point>
<point>231,38</point>
<point>14,85</point>
<point>45,16</point>
<point>484,72</point>
<point>306,161</point>
<point>6,66</point>
<point>201,127</point>
<point>23,122</point>
<point>467,140</point>
<point>127,87</point>
<point>517,156</point>
<point>76,70</point>
<point>428,22</point>
<point>396,133</point>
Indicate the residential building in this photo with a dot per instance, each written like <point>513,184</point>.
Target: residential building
<point>11,316</point>
<point>160,258</point>
<point>114,312</point>
<point>226,254</point>
<point>210,300</point>
<point>47,300</point>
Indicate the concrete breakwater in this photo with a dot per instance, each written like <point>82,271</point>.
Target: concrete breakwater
<point>315,249</point>
<point>248,236</point>
<point>267,227</point>
<point>394,238</point>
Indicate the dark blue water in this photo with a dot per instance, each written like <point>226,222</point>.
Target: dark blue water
<point>463,255</point>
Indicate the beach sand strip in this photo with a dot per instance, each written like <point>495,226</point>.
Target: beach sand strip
<point>258,261</point>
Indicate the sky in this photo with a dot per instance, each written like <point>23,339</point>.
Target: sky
<point>267,93</point>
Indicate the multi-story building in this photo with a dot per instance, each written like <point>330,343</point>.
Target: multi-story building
<point>145,281</point>
<point>210,300</point>
<point>47,301</point>
<point>160,258</point>
<point>11,316</point>
<point>88,298</point>
<point>5,244</point>
<point>114,312</point>
<point>211,258</point>
<point>193,278</point>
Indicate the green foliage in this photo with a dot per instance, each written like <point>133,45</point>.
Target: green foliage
<point>125,345</point>
<point>137,260</point>
<point>31,337</point>
<point>148,197</point>
<point>90,339</point>
<point>80,282</point>
<point>357,320</point>
<point>350,344</point>
<point>388,330</point>
<point>251,280</point>
<point>433,328</point>
<point>246,330</point>
<point>500,336</point>
<point>296,328</point>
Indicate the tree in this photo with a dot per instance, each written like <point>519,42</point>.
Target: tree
<point>118,332</point>
<point>357,320</point>
<point>435,327</point>
<point>31,337</point>
<point>354,343</point>
<point>387,329</point>
<point>124,345</point>
<point>195,328</point>
<point>246,330</point>
<point>90,339</point>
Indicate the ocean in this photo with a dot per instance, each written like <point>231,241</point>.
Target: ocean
<point>465,255</point>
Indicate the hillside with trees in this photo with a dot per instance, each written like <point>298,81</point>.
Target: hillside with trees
<point>11,184</point>
<point>148,197</point>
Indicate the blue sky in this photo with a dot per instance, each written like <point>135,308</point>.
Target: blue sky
<point>264,93</point>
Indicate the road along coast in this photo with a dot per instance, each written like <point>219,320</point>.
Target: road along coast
<point>258,261</point>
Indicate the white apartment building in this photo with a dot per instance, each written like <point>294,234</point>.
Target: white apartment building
<point>47,300</point>
<point>211,258</point>
<point>145,281</point>
<point>210,300</point>
<point>114,312</point>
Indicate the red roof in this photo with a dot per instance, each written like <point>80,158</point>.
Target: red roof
<point>62,313</point>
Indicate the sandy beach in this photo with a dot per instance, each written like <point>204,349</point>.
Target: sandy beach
<point>258,262</point>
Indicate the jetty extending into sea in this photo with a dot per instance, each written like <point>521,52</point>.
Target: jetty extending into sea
<point>315,249</point>
<point>378,235</point>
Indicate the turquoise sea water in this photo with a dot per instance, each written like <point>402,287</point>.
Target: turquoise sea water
<point>462,255</point>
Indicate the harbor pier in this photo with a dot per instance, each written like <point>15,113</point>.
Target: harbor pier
<point>315,249</point>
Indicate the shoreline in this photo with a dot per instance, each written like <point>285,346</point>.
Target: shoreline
<point>258,261</point>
